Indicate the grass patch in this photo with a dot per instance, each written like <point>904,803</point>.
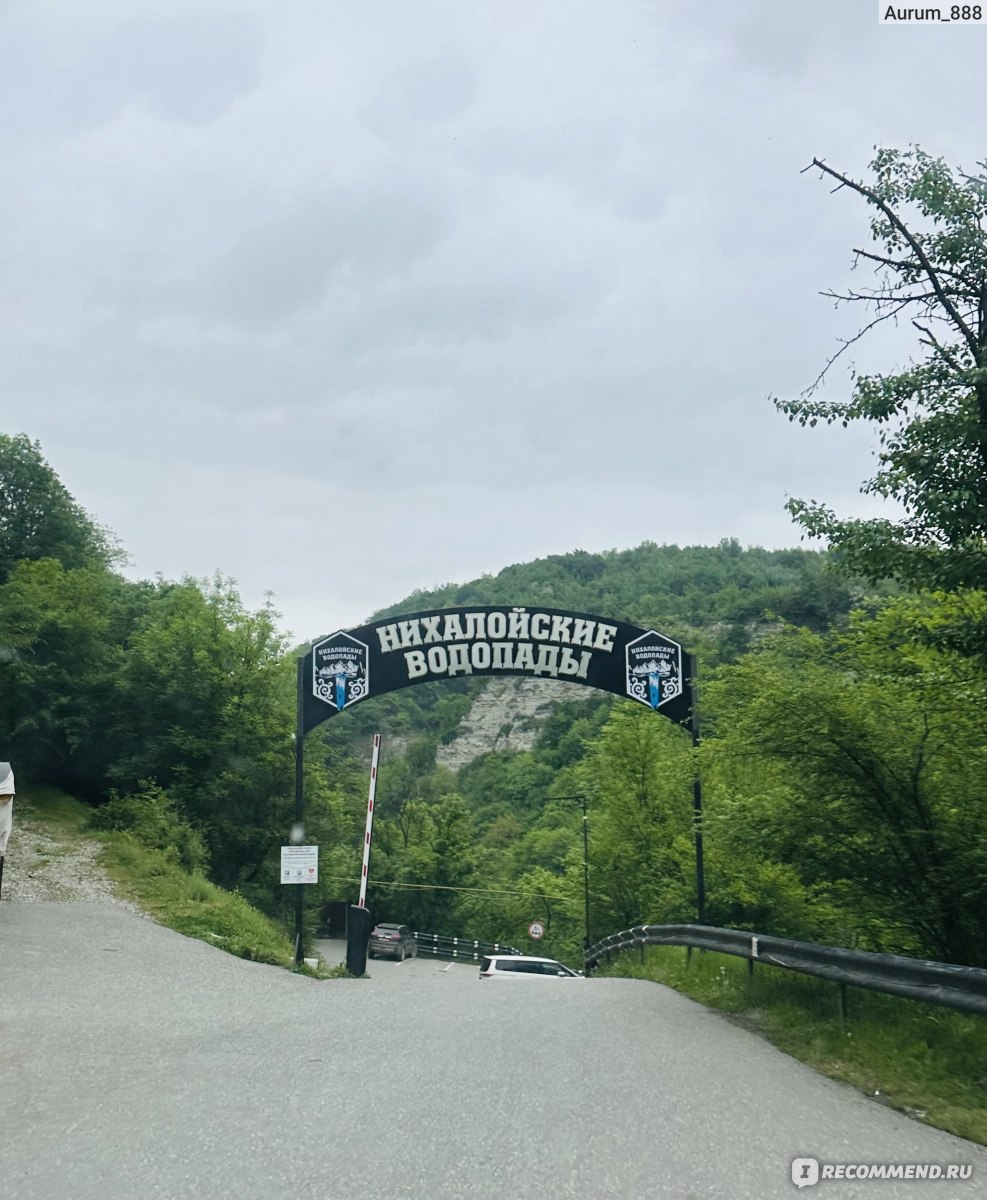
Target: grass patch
<point>925,1061</point>
<point>52,812</point>
<point>190,904</point>
<point>339,971</point>
<point>155,882</point>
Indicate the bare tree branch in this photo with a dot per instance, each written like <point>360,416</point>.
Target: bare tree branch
<point>845,344</point>
<point>904,264</point>
<point>886,297</point>
<point>942,351</point>
<point>930,271</point>
<point>978,181</point>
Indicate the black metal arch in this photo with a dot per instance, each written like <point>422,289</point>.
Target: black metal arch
<point>544,643</point>
<point>541,643</point>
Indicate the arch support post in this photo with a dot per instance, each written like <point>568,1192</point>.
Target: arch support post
<point>298,832</point>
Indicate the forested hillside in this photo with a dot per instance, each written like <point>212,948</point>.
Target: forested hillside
<point>843,759</point>
<point>718,601</point>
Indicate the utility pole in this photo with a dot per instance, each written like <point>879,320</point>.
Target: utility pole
<point>587,942</point>
<point>697,798</point>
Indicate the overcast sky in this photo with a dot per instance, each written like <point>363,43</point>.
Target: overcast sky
<point>345,299</point>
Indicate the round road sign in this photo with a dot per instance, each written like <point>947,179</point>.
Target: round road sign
<point>536,930</point>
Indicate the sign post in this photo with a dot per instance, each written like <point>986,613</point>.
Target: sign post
<point>299,866</point>
<point>298,832</point>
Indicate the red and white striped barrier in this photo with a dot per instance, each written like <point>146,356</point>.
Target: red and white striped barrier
<point>370,821</point>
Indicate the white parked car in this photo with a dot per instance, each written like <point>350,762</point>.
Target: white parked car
<point>523,966</point>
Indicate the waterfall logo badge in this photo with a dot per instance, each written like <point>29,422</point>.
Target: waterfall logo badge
<point>340,670</point>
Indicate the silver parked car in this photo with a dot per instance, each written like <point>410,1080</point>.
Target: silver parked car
<point>523,966</point>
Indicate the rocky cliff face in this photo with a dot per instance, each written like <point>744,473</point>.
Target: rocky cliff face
<point>505,716</point>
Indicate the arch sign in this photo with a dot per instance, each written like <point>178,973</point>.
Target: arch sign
<point>542,643</point>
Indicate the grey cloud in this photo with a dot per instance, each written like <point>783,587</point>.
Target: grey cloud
<point>431,91</point>
<point>61,74</point>
<point>186,69</point>
<point>430,289</point>
<point>276,270</point>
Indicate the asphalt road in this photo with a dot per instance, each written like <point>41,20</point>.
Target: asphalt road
<point>137,1064</point>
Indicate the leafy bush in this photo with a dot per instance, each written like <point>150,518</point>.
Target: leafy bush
<point>152,818</point>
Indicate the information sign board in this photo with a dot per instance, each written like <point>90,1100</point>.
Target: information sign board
<point>299,864</point>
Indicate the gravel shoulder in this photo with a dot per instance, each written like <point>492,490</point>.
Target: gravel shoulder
<point>45,865</point>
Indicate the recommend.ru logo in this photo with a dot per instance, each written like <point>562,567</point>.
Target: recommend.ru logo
<point>809,1171</point>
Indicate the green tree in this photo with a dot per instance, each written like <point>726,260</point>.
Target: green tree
<point>210,703</point>
<point>637,776</point>
<point>930,261</point>
<point>63,634</point>
<point>857,763</point>
<point>438,859</point>
<point>38,517</point>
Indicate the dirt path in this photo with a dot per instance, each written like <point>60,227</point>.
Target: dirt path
<point>43,866</point>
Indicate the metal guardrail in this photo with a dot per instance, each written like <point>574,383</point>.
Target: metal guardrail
<point>950,986</point>
<point>439,946</point>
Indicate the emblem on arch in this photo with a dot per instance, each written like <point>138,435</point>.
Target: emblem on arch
<point>340,670</point>
<point>654,669</point>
